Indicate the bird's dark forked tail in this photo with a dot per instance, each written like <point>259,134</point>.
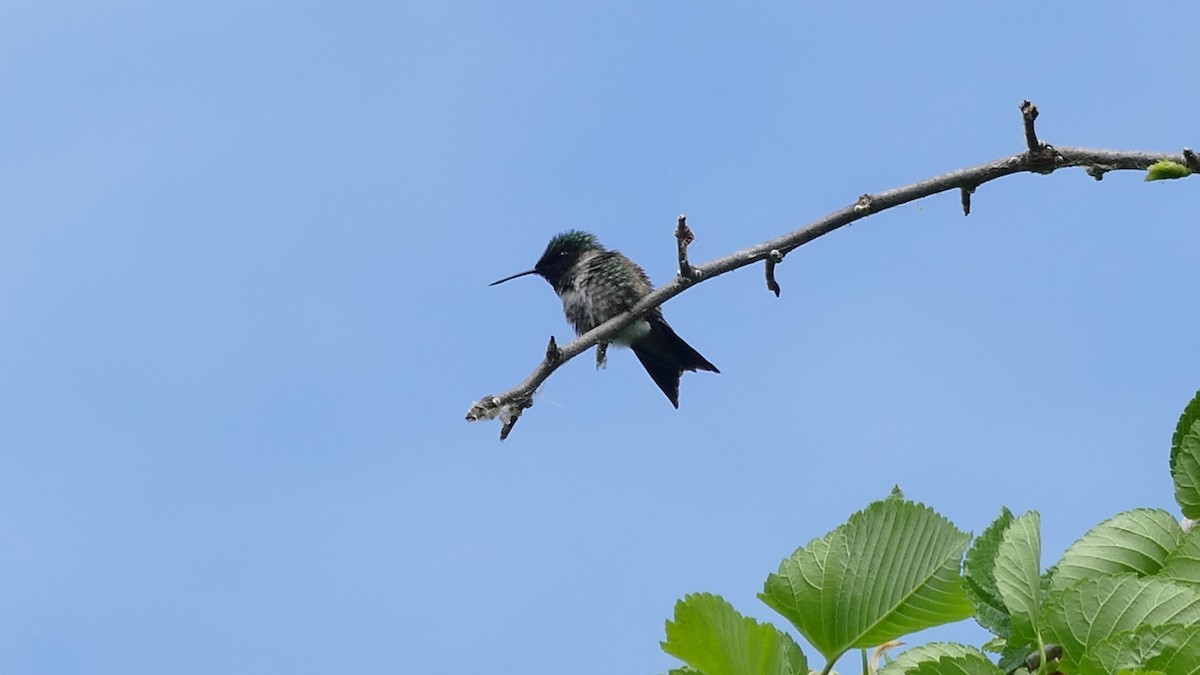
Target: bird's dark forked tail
<point>665,356</point>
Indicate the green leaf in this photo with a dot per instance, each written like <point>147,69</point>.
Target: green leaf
<point>994,645</point>
<point>1018,575</point>
<point>1014,656</point>
<point>1082,615</point>
<point>972,664</point>
<point>1166,169</point>
<point>892,569</point>
<point>711,637</point>
<point>978,572</point>
<point>1185,459</point>
<point>1171,649</point>
<point>1191,414</point>
<point>1183,564</point>
<point>1136,541</point>
<point>911,659</point>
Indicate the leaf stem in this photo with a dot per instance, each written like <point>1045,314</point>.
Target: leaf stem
<point>1041,654</point>
<point>829,664</point>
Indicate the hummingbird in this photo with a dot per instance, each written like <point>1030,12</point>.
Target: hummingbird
<point>596,284</point>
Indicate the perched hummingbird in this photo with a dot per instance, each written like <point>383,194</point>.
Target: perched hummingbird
<point>596,284</point>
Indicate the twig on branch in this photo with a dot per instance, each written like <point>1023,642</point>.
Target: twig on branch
<point>1029,112</point>
<point>1040,158</point>
<point>1190,159</point>
<point>1042,154</point>
<point>683,238</point>
<point>966,192</point>
<point>773,258</point>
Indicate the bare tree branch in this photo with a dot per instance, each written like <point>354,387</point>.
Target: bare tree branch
<point>1040,157</point>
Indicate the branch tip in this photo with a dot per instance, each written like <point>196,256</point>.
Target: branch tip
<point>1191,160</point>
<point>773,258</point>
<point>511,413</point>
<point>684,237</point>
<point>965,192</point>
<point>553,353</point>
<point>1029,113</point>
<point>1043,156</point>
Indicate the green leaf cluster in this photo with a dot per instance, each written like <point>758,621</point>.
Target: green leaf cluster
<point>1124,598</point>
<point>1167,170</point>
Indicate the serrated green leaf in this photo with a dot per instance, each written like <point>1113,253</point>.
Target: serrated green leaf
<point>1185,472</point>
<point>928,653</point>
<point>1183,564</point>
<point>1137,541</point>
<point>994,645</point>
<point>979,574</point>
<point>972,664</point>
<point>709,635</point>
<point>1185,459</point>
<point>1191,415</point>
<point>892,569</point>
<point>1014,656</point>
<point>1139,671</point>
<point>1171,649</point>
<point>1166,170</point>
<point>1019,575</point>
<point>1082,615</point>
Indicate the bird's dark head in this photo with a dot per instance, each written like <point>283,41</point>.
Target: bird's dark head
<point>563,251</point>
<point>561,254</point>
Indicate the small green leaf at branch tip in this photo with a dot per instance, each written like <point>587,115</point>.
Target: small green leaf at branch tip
<point>1167,170</point>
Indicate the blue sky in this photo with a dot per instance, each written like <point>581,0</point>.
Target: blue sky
<point>244,255</point>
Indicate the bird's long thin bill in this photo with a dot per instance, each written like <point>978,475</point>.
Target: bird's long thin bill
<point>520,274</point>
